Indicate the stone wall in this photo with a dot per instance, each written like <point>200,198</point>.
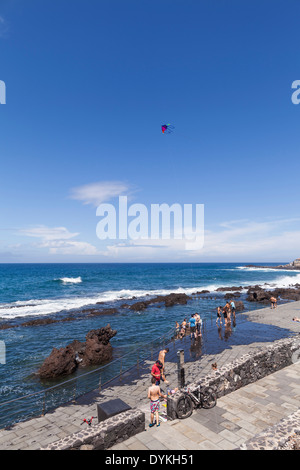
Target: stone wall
<point>105,434</point>
<point>247,369</point>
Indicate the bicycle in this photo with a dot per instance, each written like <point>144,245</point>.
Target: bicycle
<point>196,399</point>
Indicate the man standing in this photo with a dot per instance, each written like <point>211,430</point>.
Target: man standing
<point>228,311</point>
<point>232,305</point>
<point>198,324</point>
<point>156,372</point>
<point>153,394</point>
<point>192,322</point>
<point>161,358</point>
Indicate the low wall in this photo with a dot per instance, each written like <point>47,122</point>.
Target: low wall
<point>104,434</point>
<point>247,369</point>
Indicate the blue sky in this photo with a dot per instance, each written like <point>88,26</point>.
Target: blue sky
<point>88,84</point>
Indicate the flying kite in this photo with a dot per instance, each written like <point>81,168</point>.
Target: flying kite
<point>166,128</point>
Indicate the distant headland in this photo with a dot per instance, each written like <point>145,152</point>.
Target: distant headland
<point>294,265</point>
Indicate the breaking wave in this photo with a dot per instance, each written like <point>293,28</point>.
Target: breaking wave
<point>39,307</point>
<point>70,280</point>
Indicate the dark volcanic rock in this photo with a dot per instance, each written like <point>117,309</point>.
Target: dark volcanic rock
<point>239,305</point>
<point>257,294</point>
<point>169,300</point>
<point>5,326</point>
<point>60,362</point>
<point>137,306</point>
<point>175,299</point>
<point>97,347</point>
<point>225,289</point>
<point>289,267</point>
<point>96,312</point>
<point>232,295</point>
<point>64,361</point>
<point>287,293</point>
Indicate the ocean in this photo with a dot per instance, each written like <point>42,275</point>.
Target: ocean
<point>56,291</point>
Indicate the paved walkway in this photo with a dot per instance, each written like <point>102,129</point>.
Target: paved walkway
<point>66,420</point>
<point>237,418</point>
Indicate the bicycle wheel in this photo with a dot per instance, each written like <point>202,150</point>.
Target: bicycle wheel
<point>184,407</point>
<point>209,399</point>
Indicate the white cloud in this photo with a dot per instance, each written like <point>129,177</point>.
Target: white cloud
<point>47,233</point>
<point>63,247</point>
<point>3,26</point>
<point>99,192</point>
<point>243,240</point>
<point>233,241</point>
<point>59,241</point>
<point>268,238</point>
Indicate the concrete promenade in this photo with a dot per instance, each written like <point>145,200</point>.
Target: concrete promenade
<point>236,418</point>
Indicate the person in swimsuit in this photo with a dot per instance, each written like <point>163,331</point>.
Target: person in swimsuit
<point>161,358</point>
<point>183,328</point>
<point>273,301</point>
<point>198,325</point>
<point>225,314</point>
<point>232,306</point>
<point>228,311</point>
<point>154,394</point>
<point>219,315</point>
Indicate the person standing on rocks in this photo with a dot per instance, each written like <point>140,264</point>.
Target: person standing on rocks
<point>183,328</point>
<point>219,315</point>
<point>228,310</point>
<point>192,322</point>
<point>232,305</point>
<point>198,325</point>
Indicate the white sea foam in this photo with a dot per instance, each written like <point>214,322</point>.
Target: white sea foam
<point>283,282</point>
<point>71,280</point>
<point>270,270</point>
<point>50,306</point>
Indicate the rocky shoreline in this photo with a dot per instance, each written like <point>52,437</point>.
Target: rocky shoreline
<point>293,266</point>
<point>97,349</point>
<point>255,293</point>
<point>281,266</point>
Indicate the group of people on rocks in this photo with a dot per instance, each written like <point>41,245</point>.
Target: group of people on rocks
<point>226,312</point>
<point>194,324</point>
